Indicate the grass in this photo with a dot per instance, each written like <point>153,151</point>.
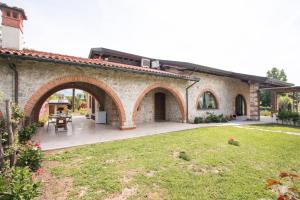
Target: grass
<point>150,167</point>
<point>277,127</point>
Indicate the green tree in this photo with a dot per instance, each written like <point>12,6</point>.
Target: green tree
<point>278,74</point>
<point>275,73</point>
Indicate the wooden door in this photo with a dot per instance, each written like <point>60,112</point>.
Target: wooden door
<point>160,107</point>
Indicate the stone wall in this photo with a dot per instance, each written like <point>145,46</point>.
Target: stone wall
<point>6,86</point>
<point>224,89</point>
<point>33,75</point>
<point>254,102</point>
<point>146,110</point>
<point>128,88</point>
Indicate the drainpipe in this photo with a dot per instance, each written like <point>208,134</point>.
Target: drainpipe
<point>13,67</point>
<point>187,99</point>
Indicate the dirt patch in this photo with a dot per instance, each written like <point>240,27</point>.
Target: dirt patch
<point>53,187</point>
<point>202,170</point>
<point>126,192</point>
<point>150,173</point>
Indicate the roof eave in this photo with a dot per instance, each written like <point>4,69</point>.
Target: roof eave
<point>24,57</point>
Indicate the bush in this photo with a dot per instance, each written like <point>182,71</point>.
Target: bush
<point>31,156</point>
<point>198,120</point>
<point>183,155</point>
<point>212,118</point>
<point>18,185</point>
<point>82,111</point>
<point>285,103</point>
<point>265,113</point>
<point>234,142</point>
<point>27,133</point>
<point>286,116</point>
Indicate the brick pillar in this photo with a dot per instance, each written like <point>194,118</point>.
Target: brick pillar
<point>254,102</point>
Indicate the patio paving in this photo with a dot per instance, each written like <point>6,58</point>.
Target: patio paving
<point>83,131</point>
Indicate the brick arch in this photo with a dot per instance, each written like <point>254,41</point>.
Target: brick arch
<point>217,98</point>
<point>173,91</point>
<point>43,90</point>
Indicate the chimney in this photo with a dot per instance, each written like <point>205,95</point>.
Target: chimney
<point>12,27</point>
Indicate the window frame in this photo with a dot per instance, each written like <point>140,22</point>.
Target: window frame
<point>202,95</point>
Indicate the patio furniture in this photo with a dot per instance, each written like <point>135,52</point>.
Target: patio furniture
<point>61,122</point>
<point>51,120</point>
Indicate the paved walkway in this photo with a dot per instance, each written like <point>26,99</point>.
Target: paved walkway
<point>267,130</point>
<point>83,131</point>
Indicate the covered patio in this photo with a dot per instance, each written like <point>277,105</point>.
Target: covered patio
<point>82,131</point>
<point>293,92</point>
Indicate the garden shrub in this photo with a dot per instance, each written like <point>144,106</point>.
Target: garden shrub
<point>234,142</point>
<point>286,116</point>
<point>27,133</point>
<point>184,156</point>
<point>18,185</point>
<point>31,156</point>
<point>198,120</point>
<point>265,113</point>
<point>285,103</point>
<point>211,118</point>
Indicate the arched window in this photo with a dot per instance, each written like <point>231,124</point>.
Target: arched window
<point>207,101</point>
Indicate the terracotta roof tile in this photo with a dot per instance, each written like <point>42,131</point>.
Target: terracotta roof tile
<point>80,60</point>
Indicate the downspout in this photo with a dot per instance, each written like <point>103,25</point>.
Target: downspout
<point>187,99</point>
<point>13,67</point>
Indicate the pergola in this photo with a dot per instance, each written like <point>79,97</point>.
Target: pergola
<point>294,90</point>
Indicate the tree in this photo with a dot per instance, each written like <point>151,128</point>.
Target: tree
<point>275,73</point>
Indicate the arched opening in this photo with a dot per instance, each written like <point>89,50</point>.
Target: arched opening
<point>207,100</point>
<point>106,97</point>
<point>240,106</point>
<point>158,103</point>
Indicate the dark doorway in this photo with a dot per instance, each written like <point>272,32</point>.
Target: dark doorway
<point>160,107</point>
<point>240,106</point>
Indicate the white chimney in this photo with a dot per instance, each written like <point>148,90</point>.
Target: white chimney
<point>12,27</point>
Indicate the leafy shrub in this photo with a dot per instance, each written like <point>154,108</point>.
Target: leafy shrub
<point>198,120</point>
<point>31,156</point>
<point>18,185</point>
<point>286,116</point>
<point>184,156</point>
<point>27,133</point>
<point>265,113</point>
<point>82,111</point>
<point>234,142</point>
<point>285,103</point>
<point>211,118</point>
<point>43,120</point>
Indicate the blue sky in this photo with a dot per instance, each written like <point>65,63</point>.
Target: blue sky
<point>242,36</point>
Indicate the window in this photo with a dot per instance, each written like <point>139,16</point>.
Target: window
<point>8,13</point>
<point>15,15</point>
<point>207,101</point>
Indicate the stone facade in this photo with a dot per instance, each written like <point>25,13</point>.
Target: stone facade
<point>146,109</point>
<point>254,102</point>
<point>225,91</point>
<point>130,97</point>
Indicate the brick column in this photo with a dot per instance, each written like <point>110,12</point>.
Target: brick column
<point>254,102</point>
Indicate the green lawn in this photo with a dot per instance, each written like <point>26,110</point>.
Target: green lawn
<point>149,167</point>
<point>277,127</point>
